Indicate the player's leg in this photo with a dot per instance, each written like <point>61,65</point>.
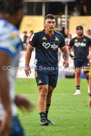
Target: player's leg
<point>78,65</point>
<point>42,83</point>
<point>49,96</point>
<point>77,80</point>
<point>42,101</point>
<point>52,84</point>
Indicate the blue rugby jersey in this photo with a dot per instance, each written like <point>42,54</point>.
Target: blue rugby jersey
<point>11,44</point>
<point>81,46</point>
<point>47,50</point>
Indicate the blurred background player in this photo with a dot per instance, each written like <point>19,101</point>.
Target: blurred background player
<point>30,35</point>
<point>46,43</point>
<point>89,33</point>
<point>81,57</point>
<point>25,39</point>
<point>11,13</point>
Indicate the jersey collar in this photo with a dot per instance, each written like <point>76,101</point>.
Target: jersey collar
<point>80,37</point>
<point>50,36</point>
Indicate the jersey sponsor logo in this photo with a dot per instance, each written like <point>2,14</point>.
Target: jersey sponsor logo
<point>84,40</point>
<point>49,45</point>
<point>76,40</point>
<point>56,39</point>
<point>35,62</point>
<point>80,44</point>
<point>44,38</point>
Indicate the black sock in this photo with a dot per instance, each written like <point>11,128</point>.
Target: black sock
<point>78,87</point>
<point>42,115</point>
<point>47,110</point>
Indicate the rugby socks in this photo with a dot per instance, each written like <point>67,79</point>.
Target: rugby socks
<point>78,87</point>
<point>47,110</point>
<point>42,115</point>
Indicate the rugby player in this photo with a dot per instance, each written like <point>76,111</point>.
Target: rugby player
<point>46,43</point>
<point>11,13</point>
<point>81,45</point>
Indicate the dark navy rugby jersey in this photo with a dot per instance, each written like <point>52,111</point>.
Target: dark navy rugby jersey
<point>47,48</point>
<point>81,46</point>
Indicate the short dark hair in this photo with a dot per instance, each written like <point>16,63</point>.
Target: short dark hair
<point>31,31</point>
<point>79,27</point>
<point>11,6</point>
<point>49,16</point>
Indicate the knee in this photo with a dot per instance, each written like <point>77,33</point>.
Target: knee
<point>77,74</point>
<point>43,91</point>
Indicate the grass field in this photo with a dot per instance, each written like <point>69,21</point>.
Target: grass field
<point>70,113</point>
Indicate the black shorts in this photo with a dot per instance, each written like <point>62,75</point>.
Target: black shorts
<point>17,129</point>
<point>79,63</point>
<point>46,78</point>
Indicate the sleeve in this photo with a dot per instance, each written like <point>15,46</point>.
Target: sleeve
<point>62,42</point>
<point>71,43</point>
<point>10,43</point>
<point>33,40</point>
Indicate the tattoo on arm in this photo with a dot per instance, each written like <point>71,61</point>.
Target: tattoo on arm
<point>65,54</point>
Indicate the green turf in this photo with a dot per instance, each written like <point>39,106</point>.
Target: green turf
<point>70,113</point>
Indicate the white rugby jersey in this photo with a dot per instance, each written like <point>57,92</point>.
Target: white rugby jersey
<point>11,44</point>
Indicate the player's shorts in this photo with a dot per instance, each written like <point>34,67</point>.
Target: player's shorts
<point>78,63</point>
<point>46,78</point>
<point>17,129</point>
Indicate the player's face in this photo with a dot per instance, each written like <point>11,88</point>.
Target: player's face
<point>79,32</point>
<point>49,24</point>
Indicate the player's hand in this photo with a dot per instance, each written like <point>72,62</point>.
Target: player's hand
<point>27,70</point>
<point>6,124</point>
<point>89,104</point>
<point>65,64</point>
<point>23,103</point>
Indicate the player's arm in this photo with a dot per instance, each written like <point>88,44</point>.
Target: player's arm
<point>69,52</point>
<point>23,103</point>
<point>27,60</point>
<point>5,61</point>
<point>65,56</point>
<point>69,47</point>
